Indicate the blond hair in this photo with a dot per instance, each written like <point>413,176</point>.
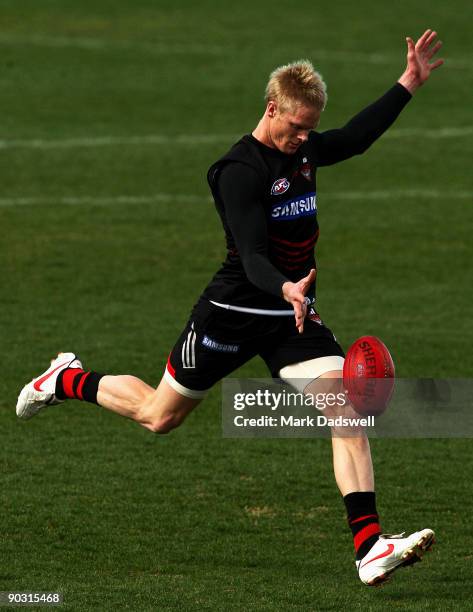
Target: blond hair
<point>296,83</point>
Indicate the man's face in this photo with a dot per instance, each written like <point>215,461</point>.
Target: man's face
<point>290,128</point>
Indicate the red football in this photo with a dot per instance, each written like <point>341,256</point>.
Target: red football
<point>368,375</point>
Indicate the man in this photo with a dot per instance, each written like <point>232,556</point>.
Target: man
<point>264,191</point>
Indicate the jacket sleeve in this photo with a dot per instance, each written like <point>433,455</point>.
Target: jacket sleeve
<point>239,189</point>
<point>362,130</point>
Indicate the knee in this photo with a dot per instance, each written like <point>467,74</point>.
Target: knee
<point>163,424</point>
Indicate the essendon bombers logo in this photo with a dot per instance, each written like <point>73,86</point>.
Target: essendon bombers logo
<point>305,171</point>
<point>280,186</point>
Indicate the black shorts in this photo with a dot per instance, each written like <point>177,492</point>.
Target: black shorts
<point>217,341</point>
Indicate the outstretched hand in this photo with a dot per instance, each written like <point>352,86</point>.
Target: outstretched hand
<point>294,293</point>
<point>419,54</point>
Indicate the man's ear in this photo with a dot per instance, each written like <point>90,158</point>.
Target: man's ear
<point>271,108</point>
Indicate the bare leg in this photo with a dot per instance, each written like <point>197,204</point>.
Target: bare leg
<point>159,410</point>
<point>352,463</point>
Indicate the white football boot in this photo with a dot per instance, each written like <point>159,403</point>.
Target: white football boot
<point>392,552</point>
<point>40,392</point>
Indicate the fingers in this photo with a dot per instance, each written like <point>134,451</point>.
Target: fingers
<point>307,281</point>
<point>434,49</point>
<point>436,64</point>
<point>299,314</point>
<point>311,276</point>
<point>425,41</point>
<point>429,40</point>
<point>300,310</point>
<point>420,43</point>
<point>424,49</point>
<point>297,298</point>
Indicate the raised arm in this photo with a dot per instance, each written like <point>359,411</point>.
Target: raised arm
<point>368,125</point>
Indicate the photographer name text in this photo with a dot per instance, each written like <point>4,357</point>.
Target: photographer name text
<point>307,421</point>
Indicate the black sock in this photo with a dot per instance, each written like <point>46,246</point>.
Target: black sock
<point>363,520</point>
<point>75,383</point>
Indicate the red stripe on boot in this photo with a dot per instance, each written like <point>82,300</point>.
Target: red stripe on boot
<point>68,381</point>
<point>368,531</point>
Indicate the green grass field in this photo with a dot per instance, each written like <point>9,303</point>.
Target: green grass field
<point>111,114</point>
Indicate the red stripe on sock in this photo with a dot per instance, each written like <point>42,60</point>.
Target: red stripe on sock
<point>368,531</point>
<point>80,385</point>
<point>68,381</point>
<point>362,518</point>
